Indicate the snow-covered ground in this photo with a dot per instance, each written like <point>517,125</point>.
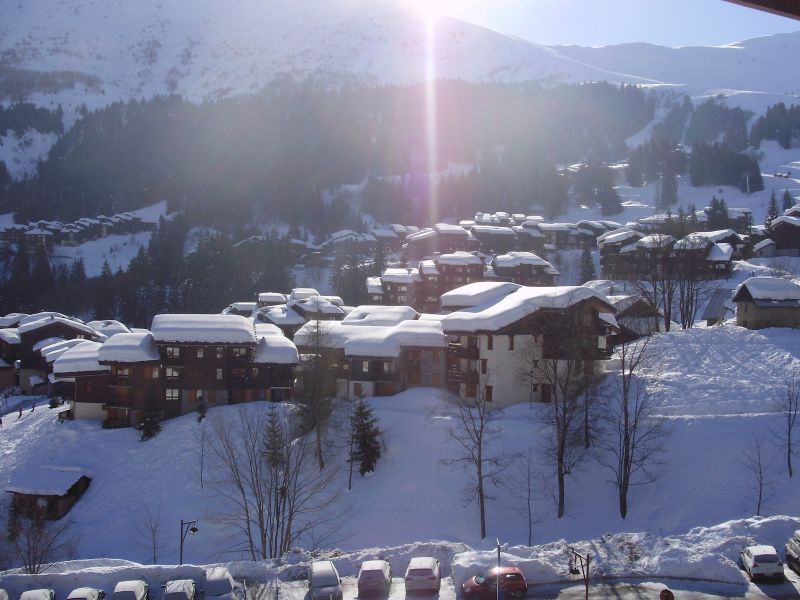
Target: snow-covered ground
<point>716,390</point>
<point>118,250</point>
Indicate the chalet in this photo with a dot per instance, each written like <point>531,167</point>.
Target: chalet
<point>282,316</point>
<point>501,326</point>
<point>135,386</point>
<point>495,239</point>
<point>786,233</point>
<point>39,238</point>
<point>524,268</point>
<point>80,365</point>
<point>559,235</point>
<point>45,327</point>
<point>387,239</point>
<point>9,352</point>
<point>380,360</point>
<point>529,239</point>
<point>793,211</point>
<point>764,249</point>
<point>46,491</point>
<point>636,318</point>
<point>767,302</point>
<point>613,262</point>
<point>396,284</point>
<point>442,239</point>
<point>375,290</point>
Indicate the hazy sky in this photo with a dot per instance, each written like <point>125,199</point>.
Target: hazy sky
<point>599,22</point>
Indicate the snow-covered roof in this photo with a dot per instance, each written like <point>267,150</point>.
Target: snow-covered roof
<point>45,321</point>
<point>459,258</point>
<point>108,327</point>
<point>422,234</point>
<point>244,307</point>
<point>510,308</point>
<point>371,340</point>
<point>721,252</point>
<point>374,285</point>
<point>53,351</point>
<point>318,304</point>
<point>448,229</point>
<point>40,594</point>
<point>716,236</point>
<point>129,348</point>
<point>428,267</point>
<point>188,328</point>
<point>267,329</point>
<point>763,244</point>
<point>770,290</point>
<point>792,221</point>
<point>302,293</point>
<point>400,275</point>
<point>618,235</point>
<point>555,226</point>
<point>515,259</point>
<point>180,587</point>
<point>43,480</point>
<point>272,297</point>
<point>656,240</point>
<point>38,231</point>
<point>11,319</point>
<point>81,358</point>
<point>276,350</point>
<point>384,316</point>
<point>384,233</point>
<point>478,292</point>
<point>9,335</point>
<point>46,342</point>
<point>493,230</point>
<point>282,315</point>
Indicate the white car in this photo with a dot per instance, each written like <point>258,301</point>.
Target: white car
<point>423,575</point>
<point>134,589</point>
<point>86,593</point>
<point>219,584</point>
<point>40,594</point>
<point>762,562</point>
<point>180,589</point>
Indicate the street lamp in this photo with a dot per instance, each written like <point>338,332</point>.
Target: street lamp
<point>187,527</point>
<point>497,572</point>
<point>530,379</point>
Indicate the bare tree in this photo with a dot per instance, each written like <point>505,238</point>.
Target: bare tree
<point>759,482</point>
<point>150,527</point>
<point>655,276</point>
<point>318,383</point>
<point>788,406</point>
<point>473,431</point>
<point>635,437</point>
<point>264,476</point>
<point>39,542</point>
<point>522,486</point>
<point>694,284</point>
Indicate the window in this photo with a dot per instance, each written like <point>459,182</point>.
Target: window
<point>487,393</point>
<point>80,336</point>
<point>483,366</point>
<point>238,373</point>
<point>388,366</point>
<point>154,373</point>
<point>173,352</point>
<point>172,373</point>
<point>365,366</point>
<point>489,343</point>
<point>200,353</point>
<point>172,395</point>
<point>511,342</point>
<point>220,352</point>
<point>238,352</point>
<point>123,372</point>
<point>255,371</point>
<point>219,374</point>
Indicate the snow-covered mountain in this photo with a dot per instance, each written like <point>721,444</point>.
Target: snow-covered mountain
<point>206,49</point>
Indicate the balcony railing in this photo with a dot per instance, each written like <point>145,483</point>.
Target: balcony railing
<point>459,351</point>
<point>454,376</point>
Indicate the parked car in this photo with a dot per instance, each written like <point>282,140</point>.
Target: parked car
<point>762,561</point>
<point>219,584</point>
<point>793,552</point>
<point>423,575</point>
<point>86,593</point>
<point>324,582</point>
<point>484,586</point>
<point>3,594</point>
<point>135,589</point>
<point>40,594</point>
<point>180,589</point>
<point>374,577</point>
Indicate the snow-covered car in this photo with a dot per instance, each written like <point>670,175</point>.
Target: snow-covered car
<point>219,584</point>
<point>793,552</point>
<point>484,586</point>
<point>3,594</point>
<point>135,589</point>
<point>324,582</point>
<point>762,562</point>
<point>86,593</point>
<point>180,589</point>
<point>374,577</point>
<point>423,575</point>
<point>40,594</point>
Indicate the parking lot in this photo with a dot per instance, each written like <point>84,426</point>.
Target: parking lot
<point>297,590</point>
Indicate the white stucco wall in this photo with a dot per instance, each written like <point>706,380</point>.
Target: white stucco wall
<point>88,410</point>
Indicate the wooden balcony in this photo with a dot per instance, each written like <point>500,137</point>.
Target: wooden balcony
<point>455,376</point>
<point>459,351</point>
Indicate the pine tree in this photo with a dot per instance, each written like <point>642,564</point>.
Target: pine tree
<point>787,200</point>
<point>104,298</point>
<point>365,443</point>
<point>587,266</point>
<point>772,213</point>
<point>77,273</point>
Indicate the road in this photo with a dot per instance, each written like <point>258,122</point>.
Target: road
<point>619,590</point>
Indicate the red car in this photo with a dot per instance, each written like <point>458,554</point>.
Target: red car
<point>484,586</point>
